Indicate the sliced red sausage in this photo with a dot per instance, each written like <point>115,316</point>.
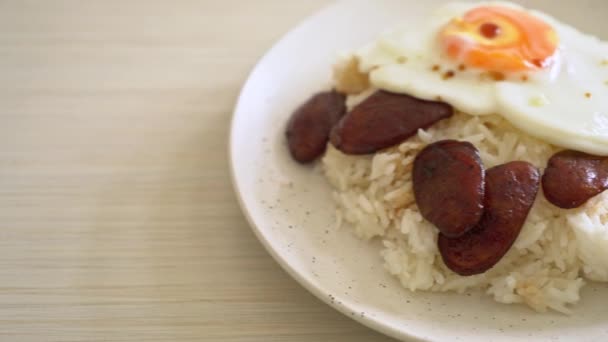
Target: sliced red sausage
<point>384,120</point>
<point>510,193</point>
<point>449,186</point>
<point>572,178</point>
<point>310,125</point>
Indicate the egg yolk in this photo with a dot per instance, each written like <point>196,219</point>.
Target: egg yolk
<point>500,39</point>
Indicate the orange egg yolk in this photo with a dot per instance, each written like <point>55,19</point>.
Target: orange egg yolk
<point>500,39</point>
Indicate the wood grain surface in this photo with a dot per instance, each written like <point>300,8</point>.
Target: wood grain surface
<point>117,217</point>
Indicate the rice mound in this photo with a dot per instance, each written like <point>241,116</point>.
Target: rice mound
<point>545,268</point>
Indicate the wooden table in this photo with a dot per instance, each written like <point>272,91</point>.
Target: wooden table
<point>118,219</point>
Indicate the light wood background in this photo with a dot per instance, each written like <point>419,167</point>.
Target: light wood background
<point>117,216</point>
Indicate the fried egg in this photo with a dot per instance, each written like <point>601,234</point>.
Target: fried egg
<point>543,76</point>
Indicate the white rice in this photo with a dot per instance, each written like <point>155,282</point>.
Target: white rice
<point>547,265</point>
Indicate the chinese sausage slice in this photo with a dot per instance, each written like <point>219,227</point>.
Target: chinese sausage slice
<point>511,190</point>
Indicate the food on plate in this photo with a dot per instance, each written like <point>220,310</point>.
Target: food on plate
<point>310,125</point>
<point>449,186</point>
<point>348,78</point>
<point>560,99</point>
<point>572,178</point>
<point>500,38</point>
<point>383,120</point>
<point>510,193</point>
<point>430,107</point>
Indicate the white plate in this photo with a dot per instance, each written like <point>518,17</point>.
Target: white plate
<point>290,208</point>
